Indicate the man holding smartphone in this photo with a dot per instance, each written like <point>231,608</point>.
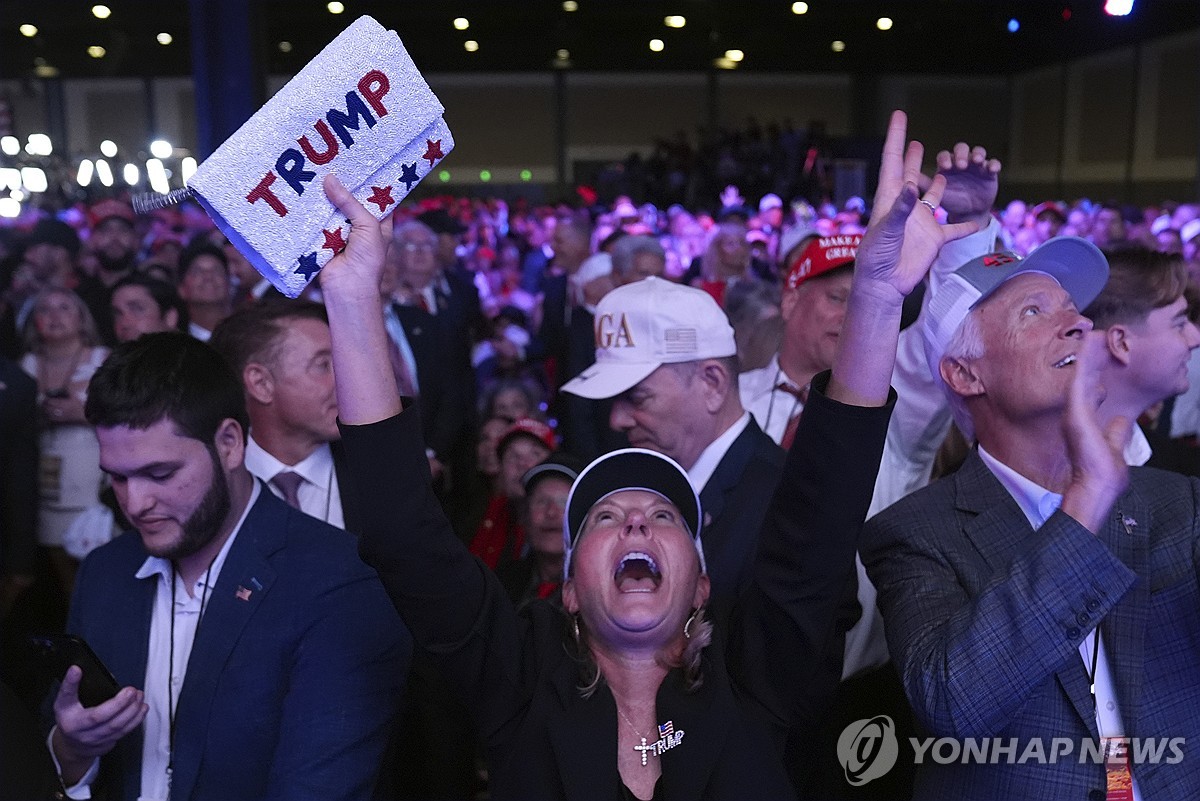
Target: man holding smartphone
<point>259,657</point>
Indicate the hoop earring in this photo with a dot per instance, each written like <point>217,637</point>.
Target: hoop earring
<point>687,626</point>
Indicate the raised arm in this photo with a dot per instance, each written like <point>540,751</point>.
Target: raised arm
<point>350,286</point>
<point>901,242</point>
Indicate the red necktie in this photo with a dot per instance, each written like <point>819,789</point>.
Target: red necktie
<point>789,433</point>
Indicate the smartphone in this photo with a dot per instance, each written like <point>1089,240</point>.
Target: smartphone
<point>59,651</point>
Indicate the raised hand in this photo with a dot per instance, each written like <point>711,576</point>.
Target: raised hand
<point>83,734</point>
<point>357,269</point>
<point>903,236</point>
<point>972,181</point>
<point>731,197</point>
<point>1097,452</point>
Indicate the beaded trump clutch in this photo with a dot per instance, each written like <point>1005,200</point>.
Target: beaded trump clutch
<point>361,110</point>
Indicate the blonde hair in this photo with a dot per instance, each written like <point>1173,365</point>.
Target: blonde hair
<point>89,335</point>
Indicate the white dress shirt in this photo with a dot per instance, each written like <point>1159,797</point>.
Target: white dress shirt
<point>319,494</point>
<point>710,457</point>
<point>771,408</point>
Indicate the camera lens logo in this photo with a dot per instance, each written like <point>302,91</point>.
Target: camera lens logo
<point>868,749</point>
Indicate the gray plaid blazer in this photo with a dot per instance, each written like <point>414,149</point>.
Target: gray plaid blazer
<point>985,616</point>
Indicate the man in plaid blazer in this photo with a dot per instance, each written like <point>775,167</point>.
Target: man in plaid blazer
<point>1045,590</point>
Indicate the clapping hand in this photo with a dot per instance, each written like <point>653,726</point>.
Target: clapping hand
<point>1097,452</point>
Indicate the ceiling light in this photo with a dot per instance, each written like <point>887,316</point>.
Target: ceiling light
<point>838,46</point>
<point>10,207</point>
<point>28,30</point>
<point>34,179</point>
<point>86,171</point>
<point>656,45</point>
<point>10,178</point>
<point>461,24</point>
<point>884,23</point>
<point>570,5</point>
<point>799,8</point>
<point>131,174</point>
<point>724,63</point>
<point>187,168</point>
<point>562,54</point>
<point>11,145</point>
<point>285,47</point>
<point>96,51</point>
<point>156,174</point>
<point>101,12</point>
<point>734,55</point>
<point>108,147</point>
<point>161,149</point>
<point>165,38</point>
<point>104,172</point>
<point>335,7</point>
<point>38,144</point>
<point>470,45</point>
<point>45,71</point>
<point>1118,8</point>
<point>1014,25</point>
<point>675,21</point>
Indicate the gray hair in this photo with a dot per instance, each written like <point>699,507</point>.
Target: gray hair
<point>966,344</point>
<point>628,247</point>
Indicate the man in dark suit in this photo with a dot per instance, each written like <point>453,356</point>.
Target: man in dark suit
<point>282,351</point>
<point>259,658</point>
<point>429,328</point>
<point>1045,593</point>
<point>665,353</point>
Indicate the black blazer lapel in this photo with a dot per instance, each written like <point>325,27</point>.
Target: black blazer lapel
<point>705,718</point>
<point>244,582</point>
<point>585,746</point>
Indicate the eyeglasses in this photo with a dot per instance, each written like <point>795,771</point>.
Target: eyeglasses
<point>414,247</point>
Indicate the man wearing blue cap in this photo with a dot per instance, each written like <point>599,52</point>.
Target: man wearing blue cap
<point>1045,594</point>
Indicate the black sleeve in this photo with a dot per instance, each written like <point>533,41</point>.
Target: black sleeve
<point>787,634</point>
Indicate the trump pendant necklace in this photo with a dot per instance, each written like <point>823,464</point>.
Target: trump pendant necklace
<point>668,738</point>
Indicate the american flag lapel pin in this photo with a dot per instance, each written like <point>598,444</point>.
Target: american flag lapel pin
<point>668,737</point>
<point>243,594</point>
<point>1129,523</point>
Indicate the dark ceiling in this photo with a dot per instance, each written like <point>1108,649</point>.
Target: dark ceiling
<point>932,36</point>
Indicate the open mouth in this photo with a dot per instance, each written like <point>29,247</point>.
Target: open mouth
<point>637,572</point>
<point>1065,360</point>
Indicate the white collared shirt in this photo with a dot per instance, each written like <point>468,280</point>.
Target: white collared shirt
<point>710,457</point>
<point>156,729</point>
<point>1037,504</point>
<point>319,493</point>
<point>771,407</point>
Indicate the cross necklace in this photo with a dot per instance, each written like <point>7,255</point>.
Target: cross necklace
<point>643,747</point>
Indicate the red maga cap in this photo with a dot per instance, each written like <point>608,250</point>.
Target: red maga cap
<point>823,254</point>
<point>528,427</point>
<point>109,208</point>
